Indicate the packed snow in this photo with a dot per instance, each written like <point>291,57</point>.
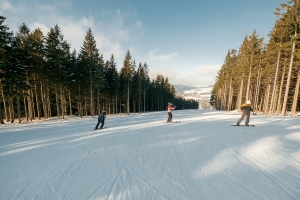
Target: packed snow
<point>141,157</point>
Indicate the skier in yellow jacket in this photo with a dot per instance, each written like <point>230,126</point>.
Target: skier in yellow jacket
<point>246,108</point>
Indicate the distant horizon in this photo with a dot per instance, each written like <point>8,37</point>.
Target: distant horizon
<point>194,85</point>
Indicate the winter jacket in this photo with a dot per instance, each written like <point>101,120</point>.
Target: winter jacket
<point>170,108</point>
<point>101,117</point>
<point>246,108</point>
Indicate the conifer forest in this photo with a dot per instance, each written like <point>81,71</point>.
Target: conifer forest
<point>40,77</point>
<point>266,73</point>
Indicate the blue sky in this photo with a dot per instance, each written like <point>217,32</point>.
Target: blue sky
<point>185,41</point>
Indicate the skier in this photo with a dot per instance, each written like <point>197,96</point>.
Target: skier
<point>246,108</point>
<point>101,119</point>
<point>170,108</point>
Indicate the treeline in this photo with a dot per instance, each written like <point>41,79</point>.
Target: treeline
<point>41,78</point>
<point>268,74</point>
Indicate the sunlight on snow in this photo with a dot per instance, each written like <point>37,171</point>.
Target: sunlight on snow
<point>262,154</point>
<point>127,193</point>
<point>294,127</point>
<point>25,149</point>
<point>224,160</point>
<point>296,156</point>
<point>293,136</point>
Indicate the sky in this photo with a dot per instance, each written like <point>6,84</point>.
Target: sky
<point>186,41</point>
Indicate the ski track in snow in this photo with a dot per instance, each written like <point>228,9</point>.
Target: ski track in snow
<point>141,157</point>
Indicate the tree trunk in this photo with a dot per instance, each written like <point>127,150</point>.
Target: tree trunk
<point>57,102</point>
<point>37,102</point>
<point>128,111</point>
<point>140,97</point>
<point>296,94</point>
<point>109,106</point>
<point>249,78</point>
<point>224,97</point>
<point>30,110</point>
<point>144,100</point>
<point>62,101</point>
<point>70,103</point>
<point>32,104</point>
<point>257,90</point>
<point>91,90</point>
<point>229,95</point>
<point>280,93</point>
<point>25,108</point>
<point>267,96</point>
<point>98,101</point>
<point>80,103</point>
<point>133,104</point>
<point>1,113</point>
<point>5,107</point>
<point>43,100</point>
<point>116,102</point>
<point>274,102</point>
<point>283,111</point>
<point>120,106</point>
<point>11,110</point>
<point>19,110</point>
<point>274,84</point>
<point>241,94</point>
<point>48,103</point>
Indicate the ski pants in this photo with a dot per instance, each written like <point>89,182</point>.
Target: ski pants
<point>242,117</point>
<point>102,124</point>
<point>170,117</point>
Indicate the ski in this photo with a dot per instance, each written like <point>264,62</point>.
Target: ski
<point>172,122</point>
<point>241,125</point>
<point>100,128</point>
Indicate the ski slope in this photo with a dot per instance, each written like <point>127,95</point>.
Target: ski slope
<point>141,157</point>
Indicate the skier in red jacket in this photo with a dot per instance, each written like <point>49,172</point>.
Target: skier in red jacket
<point>170,108</point>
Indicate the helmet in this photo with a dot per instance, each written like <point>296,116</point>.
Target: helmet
<point>248,102</point>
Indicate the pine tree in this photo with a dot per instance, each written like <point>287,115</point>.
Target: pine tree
<point>5,48</point>
<point>145,80</point>
<point>115,80</point>
<point>291,21</point>
<point>126,77</point>
<point>89,55</point>
<point>36,49</point>
<point>13,70</point>
<point>56,49</point>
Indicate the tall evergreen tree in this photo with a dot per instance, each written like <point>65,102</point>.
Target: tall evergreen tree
<point>89,55</point>
<point>127,74</point>
<point>5,48</point>
<point>115,80</point>
<point>55,53</point>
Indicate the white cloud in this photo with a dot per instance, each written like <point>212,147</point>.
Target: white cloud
<point>165,70</point>
<point>112,30</point>
<point>5,5</point>
<point>202,75</point>
<point>208,70</point>
<point>152,56</point>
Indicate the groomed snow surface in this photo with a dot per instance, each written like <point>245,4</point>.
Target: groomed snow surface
<point>141,157</point>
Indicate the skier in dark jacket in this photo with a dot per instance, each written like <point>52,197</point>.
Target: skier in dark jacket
<point>101,119</point>
<point>246,108</point>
